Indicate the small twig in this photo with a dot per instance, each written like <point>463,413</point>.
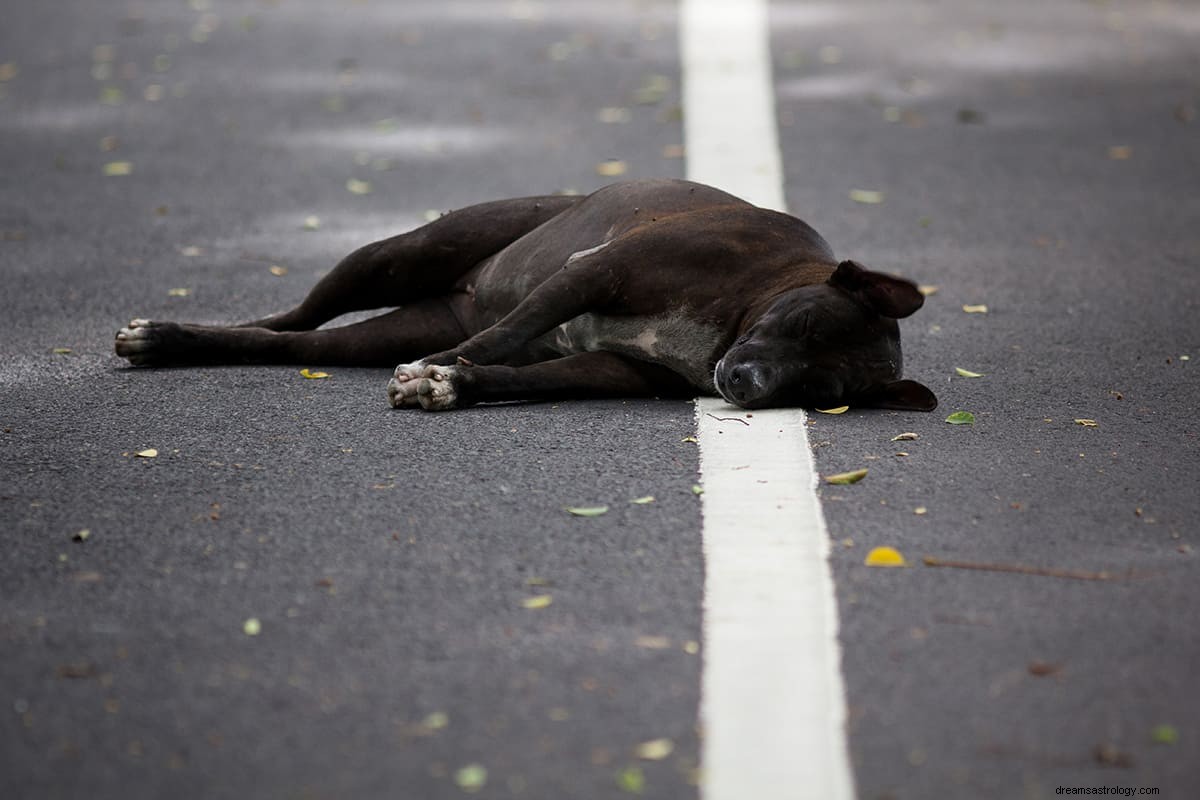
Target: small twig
<point>727,419</point>
<point>1024,569</point>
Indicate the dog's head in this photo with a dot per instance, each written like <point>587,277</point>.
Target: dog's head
<point>826,345</point>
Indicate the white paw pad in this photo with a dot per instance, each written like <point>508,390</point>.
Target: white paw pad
<point>436,390</point>
<point>406,380</point>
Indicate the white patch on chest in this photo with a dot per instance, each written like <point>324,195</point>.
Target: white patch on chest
<point>678,342</point>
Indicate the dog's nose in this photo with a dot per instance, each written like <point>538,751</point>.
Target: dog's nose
<point>748,383</point>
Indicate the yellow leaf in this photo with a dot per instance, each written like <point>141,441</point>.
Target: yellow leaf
<point>920,511</point>
<point>653,642</point>
<point>355,186</point>
<point>277,270</point>
<point>1087,423</point>
<point>691,439</point>
<point>904,437</point>
<point>966,373</point>
<point>927,289</point>
<point>843,478</point>
<point>884,557</point>
<point>868,196</point>
<point>180,292</point>
<point>838,410</point>
<point>252,627</point>
<point>307,373</point>
<point>311,222</point>
<point>148,453</point>
<point>537,601</point>
<point>641,501</point>
<point>979,309</point>
<point>115,168</point>
<point>655,749</point>
<point>612,168</point>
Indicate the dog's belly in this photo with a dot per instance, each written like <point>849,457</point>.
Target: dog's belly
<point>684,345</point>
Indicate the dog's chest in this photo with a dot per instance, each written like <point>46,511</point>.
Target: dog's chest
<point>684,345</point>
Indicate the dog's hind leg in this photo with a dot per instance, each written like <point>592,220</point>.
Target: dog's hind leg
<point>418,264</point>
<point>400,335</point>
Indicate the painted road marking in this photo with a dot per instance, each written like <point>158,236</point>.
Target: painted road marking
<point>772,700</point>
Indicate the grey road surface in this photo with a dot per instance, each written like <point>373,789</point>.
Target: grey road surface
<point>307,594</point>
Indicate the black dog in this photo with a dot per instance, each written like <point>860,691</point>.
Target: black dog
<point>655,287</point>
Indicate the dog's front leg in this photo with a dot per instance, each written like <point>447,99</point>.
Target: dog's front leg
<point>566,295</point>
<point>594,374</point>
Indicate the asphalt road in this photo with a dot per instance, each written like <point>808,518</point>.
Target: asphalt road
<point>1040,160</point>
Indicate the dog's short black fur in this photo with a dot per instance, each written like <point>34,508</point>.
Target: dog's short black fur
<point>656,287</point>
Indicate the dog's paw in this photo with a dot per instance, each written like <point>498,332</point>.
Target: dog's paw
<point>403,387</point>
<point>437,390</point>
<point>143,342</point>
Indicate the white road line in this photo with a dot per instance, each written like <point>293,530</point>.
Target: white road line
<point>773,703</point>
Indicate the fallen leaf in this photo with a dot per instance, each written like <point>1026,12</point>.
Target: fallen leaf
<point>191,251</point>
<point>1109,755</point>
<point>61,351</point>
<point>867,196</point>
<point>697,489</point>
<point>277,270</point>
<point>81,536</point>
<point>1164,734</point>
<point>1043,668</point>
<point>641,501</point>
<point>655,749</point>
<point>611,168</point>
<point>884,557</point>
<point>355,186</point>
<point>435,721</point>
<point>966,373</point>
<point>927,289</point>
<point>471,778</point>
<point>115,168</point>
<point>691,439</point>
<point>79,671</point>
<point>537,601</point>
<point>905,437</point>
<point>652,90</point>
<point>587,511</point>
<point>1087,423</point>
<point>631,779</point>
<point>673,151</point>
<point>1120,152</point>
<point>920,511</point>
<point>653,642</point>
<point>179,292</point>
<point>969,116</point>
<point>976,309</point>
<point>311,223</point>
<point>612,115</point>
<point>961,418</point>
<point>252,627</point>
<point>838,410</point>
<point>431,215</point>
<point>147,453</point>
<point>8,71</point>
<point>307,373</point>
<point>844,478</point>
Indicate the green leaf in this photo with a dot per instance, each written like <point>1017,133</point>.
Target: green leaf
<point>966,373</point>
<point>471,778</point>
<point>1164,734</point>
<point>961,418</point>
<point>844,478</point>
<point>868,196</point>
<point>641,501</point>
<point>587,511</point>
<point>697,489</point>
<point>631,779</point>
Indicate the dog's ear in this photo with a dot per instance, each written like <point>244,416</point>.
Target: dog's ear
<point>888,295</point>
<point>903,395</point>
